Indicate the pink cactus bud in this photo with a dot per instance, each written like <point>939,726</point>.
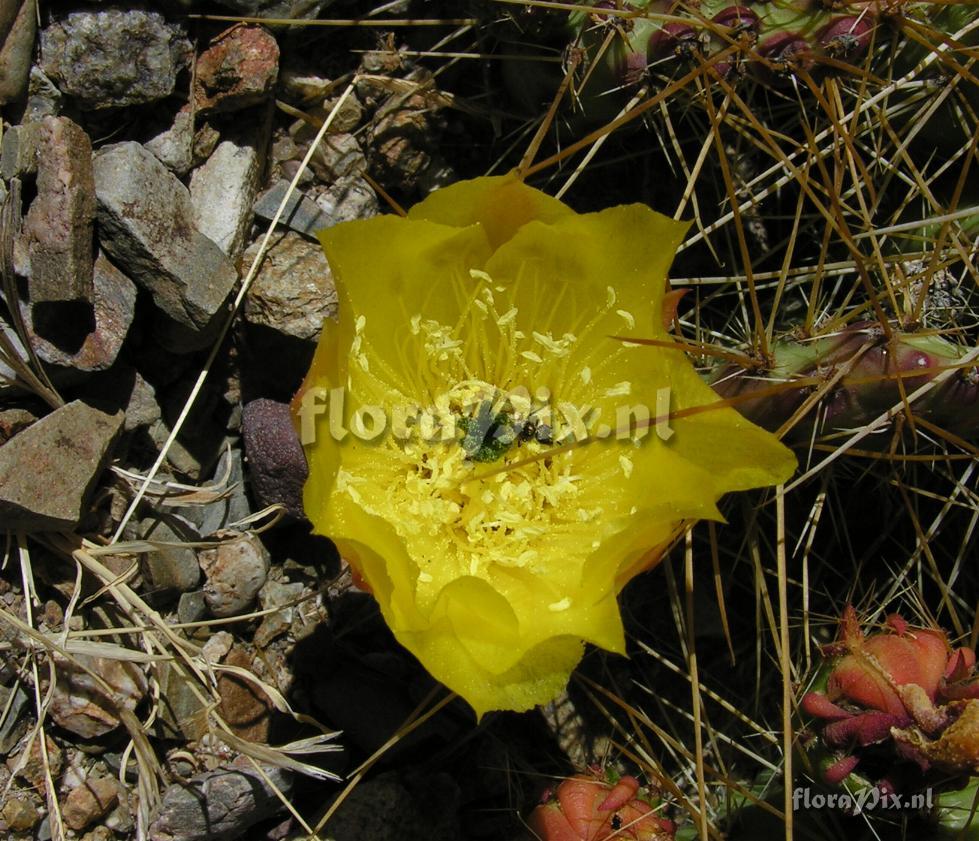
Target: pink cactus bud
<point>819,706</point>
<point>787,48</point>
<point>866,729</point>
<point>839,771</point>
<point>672,37</point>
<point>738,18</point>
<point>624,791</point>
<point>847,37</point>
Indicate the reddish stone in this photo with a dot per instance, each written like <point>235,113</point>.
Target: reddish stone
<point>239,71</point>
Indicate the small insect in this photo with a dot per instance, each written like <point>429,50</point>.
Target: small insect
<point>534,429</point>
<point>488,434</point>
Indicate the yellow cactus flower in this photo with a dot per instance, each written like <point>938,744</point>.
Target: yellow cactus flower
<point>484,448</point>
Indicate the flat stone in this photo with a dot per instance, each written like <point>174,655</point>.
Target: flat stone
<point>276,460</point>
<point>293,292</point>
<point>114,57</point>
<point>89,801</point>
<point>113,307</point>
<point>301,213</point>
<point>218,804</point>
<point>73,444</point>
<point>237,72</point>
<point>223,189</point>
<point>81,705</point>
<point>18,27</point>
<point>146,225</point>
<point>58,225</point>
<point>236,570</point>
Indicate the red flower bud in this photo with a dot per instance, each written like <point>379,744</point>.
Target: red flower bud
<point>590,809</point>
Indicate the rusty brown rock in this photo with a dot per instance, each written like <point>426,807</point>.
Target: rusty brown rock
<point>58,227</point>
<point>239,71</point>
<point>89,801</point>
<point>34,762</point>
<point>244,706</point>
<point>19,814</point>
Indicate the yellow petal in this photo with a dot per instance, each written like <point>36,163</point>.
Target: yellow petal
<point>500,204</point>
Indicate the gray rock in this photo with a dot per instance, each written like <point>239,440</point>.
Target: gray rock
<point>146,225</point>
<point>114,304</point>
<point>346,199</point>
<point>236,570</point>
<point>182,715</point>
<point>293,292</point>
<point>218,804</point>
<point>13,725</point>
<point>191,607</point>
<point>18,26</point>
<point>18,153</point>
<point>276,460</point>
<point>175,145</point>
<point>142,410</point>
<point>58,225</point>
<point>234,507</point>
<point>301,213</point>
<point>43,97</point>
<point>170,568</point>
<point>113,57</point>
<point>338,156</point>
<point>73,444</point>
<point>222,190</point>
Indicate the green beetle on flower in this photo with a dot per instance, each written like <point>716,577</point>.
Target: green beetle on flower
<point>504,479</point>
